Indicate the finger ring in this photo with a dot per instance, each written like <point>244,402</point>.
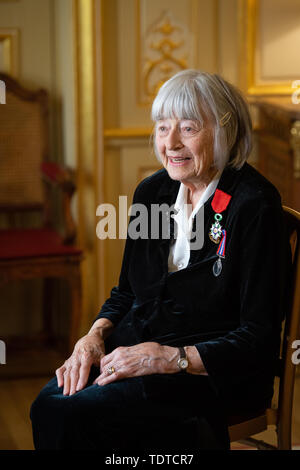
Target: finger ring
<point>111,370</point>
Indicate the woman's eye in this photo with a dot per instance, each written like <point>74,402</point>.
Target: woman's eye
<point>188,130</point>
<point>162,129</point>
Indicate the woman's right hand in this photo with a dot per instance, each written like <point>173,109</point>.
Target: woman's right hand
<point>74,373</point>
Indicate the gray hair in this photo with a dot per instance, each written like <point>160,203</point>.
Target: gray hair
<point>201,96</point>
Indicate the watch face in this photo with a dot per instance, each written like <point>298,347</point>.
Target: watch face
<point>183,363</point>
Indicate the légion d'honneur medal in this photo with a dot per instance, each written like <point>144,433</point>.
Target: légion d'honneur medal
<point>215,232</point>
<point>219,204</point>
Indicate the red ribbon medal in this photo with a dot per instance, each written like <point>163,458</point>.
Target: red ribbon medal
<point>219,204</point>
<point>220,201</point>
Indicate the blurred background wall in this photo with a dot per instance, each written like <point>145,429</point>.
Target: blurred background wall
<point>102,62</point>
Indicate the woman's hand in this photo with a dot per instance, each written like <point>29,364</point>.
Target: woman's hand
<point>145,359</point>
<point>74,373</point>
<point>141,359</point>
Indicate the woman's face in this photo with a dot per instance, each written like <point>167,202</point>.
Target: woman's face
<point>185,149</point>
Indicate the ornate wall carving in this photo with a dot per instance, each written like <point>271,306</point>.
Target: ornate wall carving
<point>166,48</point>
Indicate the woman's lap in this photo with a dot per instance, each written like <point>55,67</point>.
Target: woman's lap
<point>118,415</point>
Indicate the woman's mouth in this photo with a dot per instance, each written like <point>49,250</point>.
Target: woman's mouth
<point>178,160</point>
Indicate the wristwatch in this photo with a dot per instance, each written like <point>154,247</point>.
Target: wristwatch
<point>182,362</point>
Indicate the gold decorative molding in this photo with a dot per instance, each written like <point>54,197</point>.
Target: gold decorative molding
<point>248,18</point>
<point>86,17</point>
<point>127,133</point>
<point>166,47</point>
<point>9,51</point>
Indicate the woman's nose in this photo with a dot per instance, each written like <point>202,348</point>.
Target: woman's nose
<point>173,139</point>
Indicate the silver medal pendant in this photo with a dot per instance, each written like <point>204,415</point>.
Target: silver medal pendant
<point>217,267</point>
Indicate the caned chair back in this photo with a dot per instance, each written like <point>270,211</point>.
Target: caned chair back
<point>23,147</point>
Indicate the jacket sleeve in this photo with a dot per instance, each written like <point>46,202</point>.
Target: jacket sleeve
<point>121,296</point>
<point>253,347</point>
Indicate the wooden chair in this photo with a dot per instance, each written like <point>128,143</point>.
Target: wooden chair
<point>26,175</point>
<point>241,428</point>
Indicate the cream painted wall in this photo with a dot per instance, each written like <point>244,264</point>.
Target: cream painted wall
<point>228,40</point>
<point>64,81</point>
<point>279,37</point>
<point>46,59</point>
<point>33,19</point>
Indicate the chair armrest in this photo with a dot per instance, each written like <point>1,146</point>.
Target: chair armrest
<point>64,178</point>
<point>56,174</point>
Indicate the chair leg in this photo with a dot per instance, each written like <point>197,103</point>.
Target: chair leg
<point>76,308</point>
<point>284,436</point>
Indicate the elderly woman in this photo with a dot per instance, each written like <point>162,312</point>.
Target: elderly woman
<point>192,331</point>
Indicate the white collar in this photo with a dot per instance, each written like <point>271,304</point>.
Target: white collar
<point>182,207</point>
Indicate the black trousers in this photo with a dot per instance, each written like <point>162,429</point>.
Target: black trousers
<point>121,417</point>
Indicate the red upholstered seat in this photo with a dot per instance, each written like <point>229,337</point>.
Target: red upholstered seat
<point>33,243</point>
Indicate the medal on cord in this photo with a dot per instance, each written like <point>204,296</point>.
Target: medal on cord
<point>219,204</point>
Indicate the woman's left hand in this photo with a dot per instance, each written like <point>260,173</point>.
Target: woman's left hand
<point>141,359</point>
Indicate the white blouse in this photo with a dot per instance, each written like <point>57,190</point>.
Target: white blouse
<point>179,254</point>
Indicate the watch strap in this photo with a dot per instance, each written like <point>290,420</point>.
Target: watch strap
<point>182,352</point>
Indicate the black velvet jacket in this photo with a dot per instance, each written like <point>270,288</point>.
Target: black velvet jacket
<point>234,319</point>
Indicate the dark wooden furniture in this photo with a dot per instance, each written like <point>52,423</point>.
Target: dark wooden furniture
<point>26,175</point>
<point>243,427</point>
<point>278,137</point>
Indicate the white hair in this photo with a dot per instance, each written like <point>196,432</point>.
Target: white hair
<point>201,96</point>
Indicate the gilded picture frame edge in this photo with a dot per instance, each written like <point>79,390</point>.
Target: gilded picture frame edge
<point>248,17</point>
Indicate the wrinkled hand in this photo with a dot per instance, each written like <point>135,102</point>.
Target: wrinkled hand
<point>73,374</point>
<point>141,359</point>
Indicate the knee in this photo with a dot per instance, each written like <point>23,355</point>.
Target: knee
<point>33,408</point>
<point>37,407</point>
<point>44,399</point>
<point>51,418</point>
